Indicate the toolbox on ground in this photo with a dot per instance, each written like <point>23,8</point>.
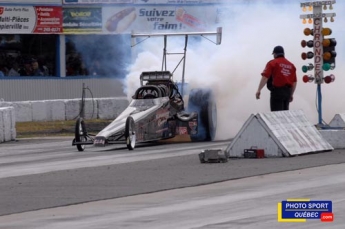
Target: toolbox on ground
<point>253,152</point>
<point>213,156</point>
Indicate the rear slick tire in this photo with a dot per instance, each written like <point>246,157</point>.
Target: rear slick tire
<point>203,102</point>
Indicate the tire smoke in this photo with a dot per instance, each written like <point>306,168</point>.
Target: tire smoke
<point>233,69</point>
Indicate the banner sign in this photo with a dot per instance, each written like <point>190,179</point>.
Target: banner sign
<point>179,1</point>
<point>30,19</point>
<point>106,20</point>
<point>32,2</point>
<point>49,19</point>
<point>97,1</point>
<point>158,19</point>
<point>82,20</point>
<point>142,1</point>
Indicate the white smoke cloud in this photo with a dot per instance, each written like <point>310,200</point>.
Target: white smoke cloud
<point>233,68</point>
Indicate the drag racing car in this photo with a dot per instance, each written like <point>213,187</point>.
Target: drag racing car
<point>157,112</point>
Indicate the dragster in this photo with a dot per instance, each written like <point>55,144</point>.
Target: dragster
<point>157,110</point>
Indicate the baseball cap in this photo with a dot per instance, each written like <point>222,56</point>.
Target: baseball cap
<point>278,50</point>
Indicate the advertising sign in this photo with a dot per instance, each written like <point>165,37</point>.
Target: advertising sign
<point>49,19</point>
<point>158,19</point>
<point>30,19</point>
<point>29,2</point>
<point>301,210</point>
<point>82,20</point>
<point>179,1</point>
<point>142,1</point>
<point>96,1</point>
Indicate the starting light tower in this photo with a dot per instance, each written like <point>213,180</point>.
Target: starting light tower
<point>323,50</point>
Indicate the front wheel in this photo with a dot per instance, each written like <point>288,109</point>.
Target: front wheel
<point>80,133</point>
<point>130,133</point>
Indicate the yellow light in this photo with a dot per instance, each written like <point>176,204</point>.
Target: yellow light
<point>304,21</point>
<point>304,8</point>
<point>332,19</point>
<point>327,56</point>
<point>326,31</point>
<point>325,20</point>
<point>326,42</point>
<point>307,31</point>
<point>310,21</point>
<point>310,8</point>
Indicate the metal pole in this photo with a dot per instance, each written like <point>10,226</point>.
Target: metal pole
<point>82,113</point>
<point>318,58</point>
<point>164,63</point>
<point>184,63</point>
<point>319,99</point>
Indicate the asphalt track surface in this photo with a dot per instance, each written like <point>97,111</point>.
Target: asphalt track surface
<point>47,183</point>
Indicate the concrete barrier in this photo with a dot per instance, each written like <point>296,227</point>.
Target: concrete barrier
<point>7,124</point>
<point>60,110</point>
<point>334,137</point>
<point>55,110</point>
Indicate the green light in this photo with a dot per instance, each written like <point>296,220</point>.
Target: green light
<point>304,68</point>
<point>326,66</point>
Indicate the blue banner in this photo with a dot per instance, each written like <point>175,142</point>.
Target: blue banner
<point>305,209</point>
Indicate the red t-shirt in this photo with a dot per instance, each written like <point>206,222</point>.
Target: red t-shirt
<point>282,70</point>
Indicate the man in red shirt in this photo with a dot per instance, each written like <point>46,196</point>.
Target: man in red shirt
<point>284,80</point>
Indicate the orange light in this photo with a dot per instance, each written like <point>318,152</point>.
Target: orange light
<point>304,8</point>
<point>310,21</point>
<point>304,21</point>
<point>327,56</point>
<point>326,42</point>
<point>329,42</point>
<point>310,8</point>
<point>326,31</point>
<point>307,31</point>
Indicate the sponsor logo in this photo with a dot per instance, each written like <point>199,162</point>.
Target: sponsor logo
<point>182,130</point>
<point>162,117</point>
<point>81,14</point>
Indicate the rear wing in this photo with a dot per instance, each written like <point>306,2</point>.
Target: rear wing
<point>217,33</point>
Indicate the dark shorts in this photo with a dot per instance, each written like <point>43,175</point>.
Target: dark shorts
<point>280,98</point>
